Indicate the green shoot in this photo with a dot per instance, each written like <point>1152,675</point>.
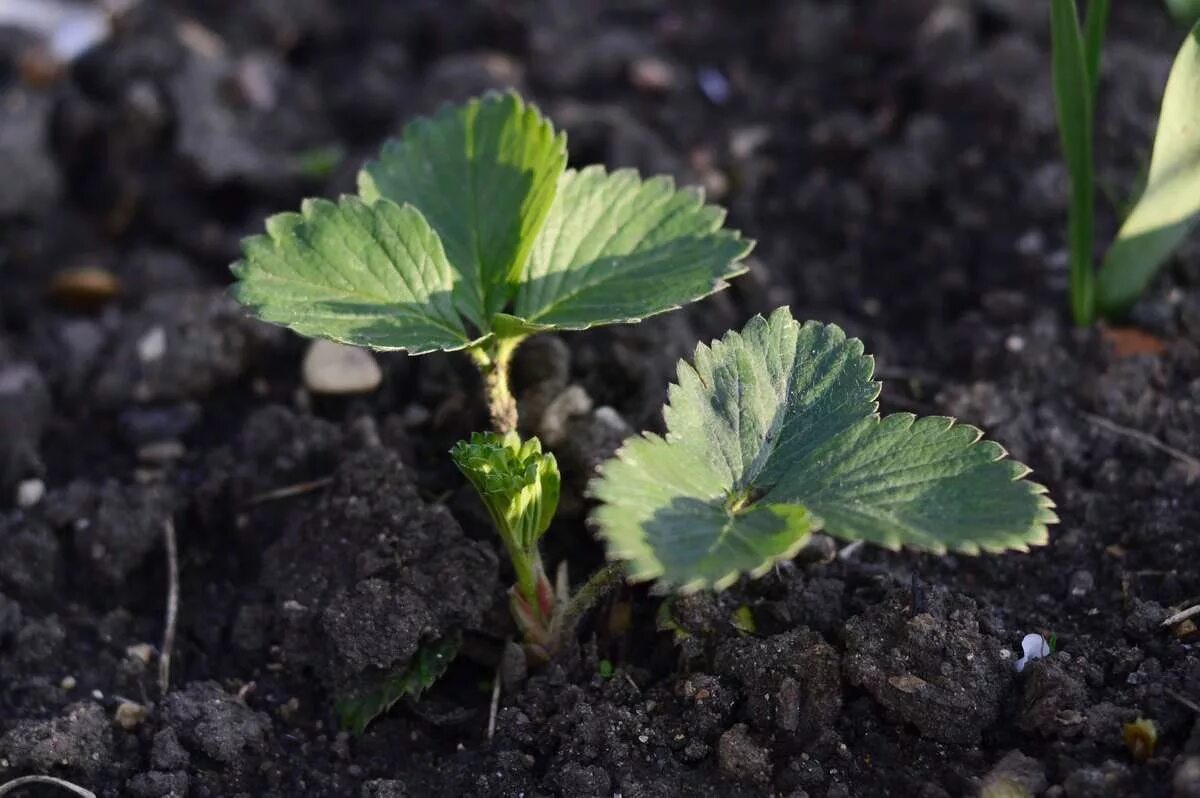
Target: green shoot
<point>1075,74</point>
<point>1170,202</point>
<point>519,485</point>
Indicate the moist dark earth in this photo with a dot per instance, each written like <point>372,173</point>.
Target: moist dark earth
<point>897,163</point>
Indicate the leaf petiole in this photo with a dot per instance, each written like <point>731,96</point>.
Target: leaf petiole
<point>493,358</point>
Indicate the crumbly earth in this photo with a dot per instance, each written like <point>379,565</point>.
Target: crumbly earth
<point>898,164</point>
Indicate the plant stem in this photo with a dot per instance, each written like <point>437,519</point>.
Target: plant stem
<point>493,363</point>
<point>594,589</point>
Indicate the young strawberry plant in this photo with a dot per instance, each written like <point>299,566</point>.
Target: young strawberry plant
<point>469,234</point>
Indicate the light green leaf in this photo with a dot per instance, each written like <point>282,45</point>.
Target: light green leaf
<point>773,433</point>
<point>370,275</point>
<point>367,701</point>
<point>516,480</point>
<point>484,174</point>
<point>617,249</point>
<point>1170,204</point>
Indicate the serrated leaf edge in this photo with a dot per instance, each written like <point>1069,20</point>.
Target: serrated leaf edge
<point>697,194</point>
<point>1037,534</point>
<point>273,231</point>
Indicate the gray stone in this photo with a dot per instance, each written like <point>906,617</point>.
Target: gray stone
<point>31,178</point>
<point>1016,772</point>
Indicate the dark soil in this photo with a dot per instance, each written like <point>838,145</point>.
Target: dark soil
<point>897,162</point>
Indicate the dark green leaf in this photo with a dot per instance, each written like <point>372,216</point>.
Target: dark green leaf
<point>366,702</point>
<point>1095,25</point>
<point>1073,101</point>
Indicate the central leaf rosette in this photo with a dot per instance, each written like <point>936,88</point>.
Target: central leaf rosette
<point>518,483</point>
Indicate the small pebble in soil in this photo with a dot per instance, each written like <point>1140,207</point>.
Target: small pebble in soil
<point>30,492</point>
<point>574,401</point>
<point>652,74</point>
<point>142,652</point>
<point>161,452</point>
<point>1186,781</point>
<point>338,369</point>
<point>129,715</point>
<point>714,85</point>
<point>84,288</point>
<point>1016,772</point>
<point>1034,647</point>
<point>1081,584</point>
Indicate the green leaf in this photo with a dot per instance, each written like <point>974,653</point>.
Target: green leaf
<point>1168,208</point>
<point>485,175</point>
<point>617,249</point>
<point>468,228</point>
<point>370,275</point>
<point>1185,11</point>
<point>773,433</point>
<point>1095,24</point>
<point>519,485</point>
<point>1073,102</point>
<point>366,702</point>
<point>517,481</point>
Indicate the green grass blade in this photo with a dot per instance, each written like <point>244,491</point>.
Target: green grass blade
<point>1094,25</point>
<point>1072,95</point>
<point>1170,204</point>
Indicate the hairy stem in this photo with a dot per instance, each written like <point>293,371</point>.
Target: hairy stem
<point>598,585</point>
<point>493,362</point>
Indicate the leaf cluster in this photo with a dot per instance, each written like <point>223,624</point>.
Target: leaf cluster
<point>1167,208</point>
<point>518,483</point>
<point>469,227</point>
